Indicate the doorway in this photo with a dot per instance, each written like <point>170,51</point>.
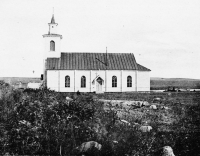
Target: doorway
<point>99,85</point>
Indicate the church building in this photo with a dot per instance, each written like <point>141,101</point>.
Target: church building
<point>90,72</point>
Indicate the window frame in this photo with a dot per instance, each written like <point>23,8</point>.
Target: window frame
<point>83,82</point>
<point>129,81</point>
<point>67,81</point>
<point>114,81</point>
<point>52,45</point>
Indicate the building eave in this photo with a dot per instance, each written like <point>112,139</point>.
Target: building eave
<point>52,35</point>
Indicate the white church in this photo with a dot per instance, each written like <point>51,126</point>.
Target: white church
<point>90,72</point>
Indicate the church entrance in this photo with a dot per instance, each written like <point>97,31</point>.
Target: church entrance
<point>99,85</point>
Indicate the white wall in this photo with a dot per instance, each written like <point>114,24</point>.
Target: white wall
<point>110,74</point>
<point>53,28</point>
<point>75,83</point>
<point>33,85</point>
<point>52,80</point>
<point>124,81</point>
<point>75,80</point>
<point>64,73</point>
<point>52,54</point>
<point>143,80</point>
<point>78,75</point>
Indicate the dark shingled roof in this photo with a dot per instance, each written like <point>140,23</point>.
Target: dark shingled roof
<point>52,63</point>
<point>142,68</point>
<point>89,61</point>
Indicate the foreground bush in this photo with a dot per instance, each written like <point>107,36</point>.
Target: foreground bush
<point>42,122</point>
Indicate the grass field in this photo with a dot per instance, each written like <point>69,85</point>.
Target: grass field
<point>164,83</point>
<point>175,97</point>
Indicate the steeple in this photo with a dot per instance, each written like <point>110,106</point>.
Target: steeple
<point>52,26</point>
<point>53,20</point>
<point>52,40</point>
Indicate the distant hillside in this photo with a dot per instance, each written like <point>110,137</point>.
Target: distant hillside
<point>163,83</point>
<point>15,80</point>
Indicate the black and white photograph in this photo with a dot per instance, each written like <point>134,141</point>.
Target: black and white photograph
<point>100,77</point>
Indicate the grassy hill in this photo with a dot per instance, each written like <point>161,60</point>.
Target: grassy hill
<point>163,83</point>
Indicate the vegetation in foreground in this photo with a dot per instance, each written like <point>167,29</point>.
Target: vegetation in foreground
<point>42,122</point>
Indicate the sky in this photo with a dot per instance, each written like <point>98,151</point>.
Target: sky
<point>164,35</point>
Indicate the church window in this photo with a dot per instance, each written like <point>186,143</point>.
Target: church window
<point>83,82</point>
<point>114,81</point>
<point>52,46</point>
<point>129,81</point>
<point>67,81</point>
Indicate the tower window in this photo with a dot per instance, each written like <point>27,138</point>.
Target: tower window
<point>83,82</point>
<point>52,46</point>
<point>67,81</point>
<point>129,81</point>
<point>114,81</point>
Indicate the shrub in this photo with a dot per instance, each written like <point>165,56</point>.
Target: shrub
<point>41,122</point>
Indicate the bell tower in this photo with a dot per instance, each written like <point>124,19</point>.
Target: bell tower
<point>52,44</point>
<point>52,41</point>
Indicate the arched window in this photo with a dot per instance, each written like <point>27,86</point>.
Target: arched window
<point>83,82</point>
<point>114,81</point>
<point>129,81</point>
<point>52,46</point>
<point>67,81</point>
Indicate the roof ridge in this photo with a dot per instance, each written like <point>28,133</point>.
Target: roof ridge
<point>95,52</point>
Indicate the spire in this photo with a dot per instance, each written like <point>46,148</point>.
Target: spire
<point>52,19</point>
<point>52,25</point>
<point>106,58</point>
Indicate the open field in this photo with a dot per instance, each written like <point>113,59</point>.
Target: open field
<point>176,97</point>
<point>14,80</point>
<point>184,102</point>
<point>164,83</point>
